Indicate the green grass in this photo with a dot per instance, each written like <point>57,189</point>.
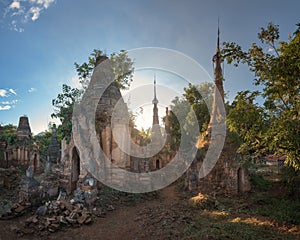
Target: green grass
<point>227,227</point>
<point>259,215</point>
<point>281,210</point>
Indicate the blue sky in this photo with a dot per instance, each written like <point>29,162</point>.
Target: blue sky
<point>41,39</point>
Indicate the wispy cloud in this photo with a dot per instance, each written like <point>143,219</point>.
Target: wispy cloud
<point>3,93</point>
<point>6,93</point>
<point>30,90</point>
<point>15,4</point>
<point>12,91</point>
<point>6,107</point>
<point>20,12</point>
<point>34,13</point>
<point>44,3</point>
<point>15,27</point>
<point>10,102</point>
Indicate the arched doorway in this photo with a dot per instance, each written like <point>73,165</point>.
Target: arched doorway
<point>240,180</point>
<point>157,164</point>
<point>75,171</point>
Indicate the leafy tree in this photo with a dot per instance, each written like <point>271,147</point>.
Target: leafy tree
<point>179,110</point>
<point>145,136</point>
<point>9,134</point>
<point>199,98</point>
<point>123,69</point>
<point>64,104</point>
<point>276,67</point>
<point>194,100</point>
<point>121,64</point>
<point>43,140</point>
<point>249,121</point>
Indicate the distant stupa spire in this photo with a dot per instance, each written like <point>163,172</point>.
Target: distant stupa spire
<point>218,41</point>
<point>155,102</point>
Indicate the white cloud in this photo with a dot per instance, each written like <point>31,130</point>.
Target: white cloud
<point>20,12</point>
<point>6,107</point>
<point>3,93</point>
<point>35,12</point>
<point>9,102</point>
<point>12,91</point>
<point>15,27</point>
<point>30,90</point>
<point>47,3</point>
<point>44,3</point>
<point>15,4</point>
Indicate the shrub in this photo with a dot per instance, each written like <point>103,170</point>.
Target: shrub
<point>259,182</point>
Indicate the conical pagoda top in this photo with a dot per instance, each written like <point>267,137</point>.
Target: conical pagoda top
<point>218,99</point>
<point>156,133</point>
<point>218,72</point>
<point>23,130</point>
<point>154,101</point>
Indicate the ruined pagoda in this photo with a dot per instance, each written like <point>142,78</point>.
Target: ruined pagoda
<point>23,130</point>
<point>217,113</point>
<point>159,143</point>
<point>54,149</point>
<point>220,172</point>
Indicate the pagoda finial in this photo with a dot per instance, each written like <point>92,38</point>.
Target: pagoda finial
<point>155,101</point>
<point>218,41</point>
<point>217,59</point>
<point>218,87</point>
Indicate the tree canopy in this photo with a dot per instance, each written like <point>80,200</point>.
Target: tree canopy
<point>121,64</point>
<point>9,134</point>
<point>275,124</point>
<point>194,99</point>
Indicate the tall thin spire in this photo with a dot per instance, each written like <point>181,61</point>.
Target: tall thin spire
<point>155,102</point>
<point>218,41</point>
<point>156,133</point>
<point>218,87</point>
<point>218,72</point>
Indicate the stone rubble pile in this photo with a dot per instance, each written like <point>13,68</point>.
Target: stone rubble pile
<point>9,210</point>
<point>57,214</point>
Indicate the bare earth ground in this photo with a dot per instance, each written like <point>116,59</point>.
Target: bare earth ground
<point>127,222</point>
<point>169,216</point>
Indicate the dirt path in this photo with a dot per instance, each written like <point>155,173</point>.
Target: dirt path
<point>168,216</point>
<point>123,223</point>
<point>159,218</point>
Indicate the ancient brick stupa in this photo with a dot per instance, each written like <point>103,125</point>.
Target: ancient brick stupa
<point>29,189</point>
<point>23,130</point>
<point>54,150</point>
<point>225,174</point>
